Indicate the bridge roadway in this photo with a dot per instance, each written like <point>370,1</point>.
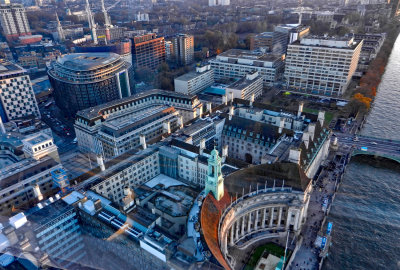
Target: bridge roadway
<point>375,146</point>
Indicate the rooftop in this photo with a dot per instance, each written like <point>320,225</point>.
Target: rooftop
<point>243,83</point>
<point>8,68</point>
<point>253,55</point>
<point>87,61</point>
<point>191,75</point>
<point>97,111</point>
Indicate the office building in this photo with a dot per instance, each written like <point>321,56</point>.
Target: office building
<point>83,80</point>
<point>169,50</point>
<point>16,93</point>
<point>48,235</point>
<point>286,34</point>
<point>194,82</point>
<point>148,51</point>
<point>236,64</point>
<point>88,122</point>
<point>119,135</point>
<point>26,182</point>
<point>122,48</point>
<point>250,140</point>
<point>184,49</point>
<point>262,41</point>
<point>249,87</point>
<point>372,44</point>
<point>322,65</point>
<point>14,21</point>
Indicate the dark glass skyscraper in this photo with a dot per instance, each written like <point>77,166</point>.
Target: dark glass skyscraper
<point>84,80</point>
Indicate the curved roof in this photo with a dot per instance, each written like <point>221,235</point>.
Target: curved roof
<point>210,215</point>
<point>212,209</point>
<point>87,61</point>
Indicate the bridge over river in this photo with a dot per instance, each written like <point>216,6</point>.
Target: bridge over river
<point>365,145</point>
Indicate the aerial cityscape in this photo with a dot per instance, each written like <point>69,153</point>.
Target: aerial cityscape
<point>199,134</point>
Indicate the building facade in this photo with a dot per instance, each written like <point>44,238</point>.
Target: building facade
<point>194,82</point>
<point>372,44</point>
<point>322,66</point>
<point>16,93</point>
<point>249,87</point>
<point>84,80</point>
<point>236,64</point>
<point>184,49</point>
<point>14,21</point>
<point>148,51</point>
<point>88,122</point>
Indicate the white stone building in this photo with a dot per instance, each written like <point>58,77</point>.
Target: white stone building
<point>321,65</point>
<point>194,82</point>
<point>249,87</point>
<point>236,64</point>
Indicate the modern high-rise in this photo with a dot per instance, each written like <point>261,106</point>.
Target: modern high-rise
<point>16,93</point>
<point>83,80</point>
<point>236,64</point>
<point>322,65</point>
<point>148,51</point>
<point>184,49</point>
<point>14,21</point>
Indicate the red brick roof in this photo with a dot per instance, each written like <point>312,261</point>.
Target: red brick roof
<point>211,211</point>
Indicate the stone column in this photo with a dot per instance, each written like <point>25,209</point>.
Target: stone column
<point>249,223</point>
<point>237,229</point>
<point>232,232</point>
<point>288,218</point>
<point>280,216</point>
<point>243,225</point>
<point>256,221</point>
<point>264,216</point>
<point>272,216</point>
<point>296,221</point>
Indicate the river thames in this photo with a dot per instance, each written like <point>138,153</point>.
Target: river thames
<point>366,211</point>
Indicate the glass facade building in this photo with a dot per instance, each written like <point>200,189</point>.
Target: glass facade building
<point>84,80</point>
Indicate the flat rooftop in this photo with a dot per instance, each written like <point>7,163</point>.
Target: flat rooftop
<point>37,139</point>
<point>96,111</point>
<point>247,54</point>
<point>191,75</point>
<point>8,68</point>
<point>242,83</point>
<point>87,61</point>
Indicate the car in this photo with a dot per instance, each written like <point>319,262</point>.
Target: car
<point>374,143</point>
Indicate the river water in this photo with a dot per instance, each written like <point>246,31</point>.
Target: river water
<point>366,211</point>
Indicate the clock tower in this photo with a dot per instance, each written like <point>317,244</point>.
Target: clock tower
<point>215,180</point>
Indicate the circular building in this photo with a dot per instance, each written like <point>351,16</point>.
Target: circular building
<point>83,80</point>
<point>256,204</point>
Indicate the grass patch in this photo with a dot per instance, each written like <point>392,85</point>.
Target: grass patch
<point>271,248</point>
<point>328,115</point>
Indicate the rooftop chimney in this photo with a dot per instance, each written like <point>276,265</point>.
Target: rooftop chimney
<point>300,111</point>
<point>100,162</point>
<point>321,117</point>
<point>306,138</point>
<point>311,130</point>
<point>251,100</point>
<point>294,156</point>
<point>180,121</point>
<point>225,99</point>
<point>143,141</point>
<point>167,127</point>
<point>281,125</point>
<point>202,145</point>
<point>224,153</point>
<point>209,107</point>
<point>231,112</point>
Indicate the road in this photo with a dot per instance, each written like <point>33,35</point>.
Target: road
<point>377,145</point>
